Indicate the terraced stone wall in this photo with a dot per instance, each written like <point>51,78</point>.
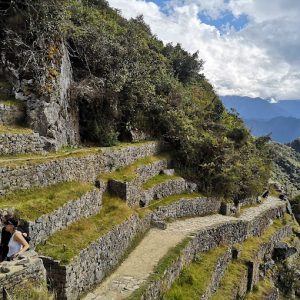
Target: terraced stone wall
<point>227,233</point>
<point>167,188</point>
<point>43,227</point>
<point>22,143</point>
<point>131,191</point>
<point>188,208</point>
<point>93,263</point>
<point>85,168</point>
<point>20,272</point>
<point>10,114</point>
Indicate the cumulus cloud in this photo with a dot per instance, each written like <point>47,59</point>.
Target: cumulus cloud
<point>260,60</point>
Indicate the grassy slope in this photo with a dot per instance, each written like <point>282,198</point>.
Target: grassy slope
<point>65,244</point>
<point>157,180</point>
<point>194,279</point>
<point>34,203</point>
<point>14,129</point>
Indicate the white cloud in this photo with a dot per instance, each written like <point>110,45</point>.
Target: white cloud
<point>262,59</point>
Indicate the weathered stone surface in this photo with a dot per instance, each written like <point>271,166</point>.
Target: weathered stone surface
<point>84,168</point>
<point>54,115</point>
<point>11,114</point>
<point>23,143</point>
<point>164,189</point>
<point>30,268</point>
<point>218,272</point>
<point>43,227</point>
<point>226,233</point>
<point>199,206</point>
<point>131,190</point>
<point>93,263</point>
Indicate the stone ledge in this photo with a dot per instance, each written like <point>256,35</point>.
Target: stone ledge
<point>87,205</point>
<point>164,189</point>
<point>95,262</point>
<point>227,233</point>
<point>131,190</point>
<point>21,271</point>
<point>83,168</point>
<point>11,143</point>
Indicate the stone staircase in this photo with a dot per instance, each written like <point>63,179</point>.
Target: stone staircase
<point>87,210</point>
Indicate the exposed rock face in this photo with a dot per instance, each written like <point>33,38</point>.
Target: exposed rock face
<point>10,114</point>
<point>54,115</point>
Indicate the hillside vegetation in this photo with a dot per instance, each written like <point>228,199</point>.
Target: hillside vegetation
<point>286,167</point>
<point>125,79</point>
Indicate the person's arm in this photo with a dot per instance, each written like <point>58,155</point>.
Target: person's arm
<point>20,239</point>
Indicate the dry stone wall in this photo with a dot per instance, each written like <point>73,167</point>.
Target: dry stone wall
<point>11,114</point>
<point>22,143</point>
<point>93,263</point>
<point>131,190</point>
<point>89,204</point>
<point>227,233</point>
<point>164,189</point>
<point>84,168</point>
<point>188,208</point>
<point>19,272</point>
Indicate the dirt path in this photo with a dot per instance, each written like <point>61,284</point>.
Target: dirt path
<point>142,260</point>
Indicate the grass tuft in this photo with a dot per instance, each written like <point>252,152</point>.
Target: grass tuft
<point>14,129</point>
<point>128,173</point>
<point>33,203</point>
<point>157,180</point>
<point>194,279</point>
<point>65,244</point>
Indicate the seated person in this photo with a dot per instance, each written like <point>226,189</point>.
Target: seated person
<point>17,243</point>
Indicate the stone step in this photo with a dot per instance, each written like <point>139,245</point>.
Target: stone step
<point>12,112</point>
<point>127,182</point>
<point>33,170</point>
<point>82,254</point>
<point>163,185</point>
<point>210,269</point>
<point>43,211</point>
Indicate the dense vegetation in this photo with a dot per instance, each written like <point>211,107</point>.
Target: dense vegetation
<point>127,79</point>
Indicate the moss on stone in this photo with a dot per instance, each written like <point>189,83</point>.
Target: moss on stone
<point>128,173</point>
<point>32,159</point>
<point>14,129</point>
<point>261,290</point>
<point>172,199</point>
<point>33,203</point>
<point>11,101</point>
<point>194,279</point>
<point>65,244</point>
<point>249,249</point>
<point>157,180</point>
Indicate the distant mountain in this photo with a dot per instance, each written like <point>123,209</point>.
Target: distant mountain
<point>282,129</point>
<point>254,108</point>
<point>281,119</point>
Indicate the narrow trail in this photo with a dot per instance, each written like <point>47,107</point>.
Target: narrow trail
<point>141,261</point>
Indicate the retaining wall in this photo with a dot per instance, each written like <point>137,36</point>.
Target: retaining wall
<point>18,273</point>
<point>89,204</point>
<point>22,143</point>
<point>11,114</point>
<point>131,190</point>
<point>83,168</point>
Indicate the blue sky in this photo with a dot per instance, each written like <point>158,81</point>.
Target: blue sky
<point>250,48</point>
